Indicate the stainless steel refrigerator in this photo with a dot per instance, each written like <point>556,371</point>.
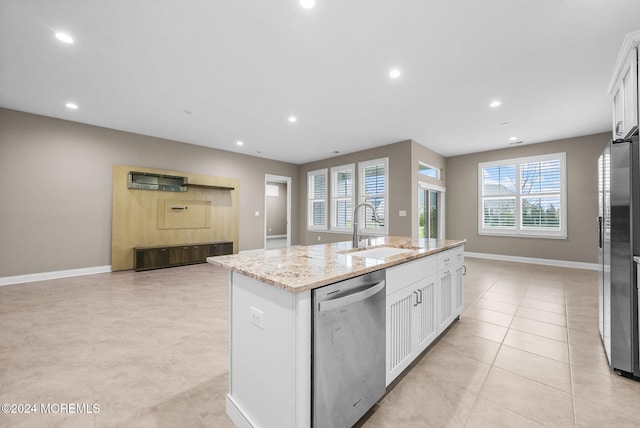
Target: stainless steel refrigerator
<point>619,242</point>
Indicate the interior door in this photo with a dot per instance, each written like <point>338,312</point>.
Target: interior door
<point>277,212</point>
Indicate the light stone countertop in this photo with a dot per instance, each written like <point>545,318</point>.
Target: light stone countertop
<point>301,268</point>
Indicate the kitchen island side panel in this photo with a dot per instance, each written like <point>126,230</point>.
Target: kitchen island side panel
<point>270,380</point>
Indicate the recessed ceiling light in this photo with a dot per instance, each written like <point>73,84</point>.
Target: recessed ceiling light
<point>513,138</point>
<point>72,106</point>
<point>293,119</point>
<point>495,103</point>
<point>308,4</point>
<point>503,124</point>
<point>64,37</point>
<point>239,143</point>
<point>395,73</point>
<point>188,112</point>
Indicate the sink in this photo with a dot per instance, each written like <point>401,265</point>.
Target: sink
<point>381,252</point>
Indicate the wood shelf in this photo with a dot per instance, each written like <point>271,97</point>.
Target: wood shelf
<point>208,186</point>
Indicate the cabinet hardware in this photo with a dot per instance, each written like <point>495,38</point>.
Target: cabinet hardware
<point>464,273</point>
<point>179,208</point>
<point>619,128</point>
<point>420,295</point>
<point>417,298</point>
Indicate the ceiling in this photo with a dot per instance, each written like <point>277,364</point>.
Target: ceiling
<point>213,72</point>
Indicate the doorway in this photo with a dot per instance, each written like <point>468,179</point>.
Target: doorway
<point>430,211</point>
<point>277,212</point>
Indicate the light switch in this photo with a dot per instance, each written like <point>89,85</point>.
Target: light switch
<point>402,213</point>
<point>257,213</point>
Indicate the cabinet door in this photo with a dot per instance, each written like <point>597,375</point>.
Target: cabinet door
<point>458,290</point>
<point>400,348</point>
<point>445,308</point>
<point>425,317</point>
<point>220,249</point>
<point>151,258</point>
<point>198,254</point>
<point>179,255</point>
<point>625,98</point>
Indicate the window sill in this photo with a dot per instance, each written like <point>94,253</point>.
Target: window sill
<point>523,235</point>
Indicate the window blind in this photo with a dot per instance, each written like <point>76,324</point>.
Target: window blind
<point>524,196</point>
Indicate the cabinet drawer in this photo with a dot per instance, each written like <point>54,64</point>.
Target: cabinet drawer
<point>405,274</point>
<point>450,258</point>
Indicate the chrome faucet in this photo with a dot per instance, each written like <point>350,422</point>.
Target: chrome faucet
<point>356,233</point>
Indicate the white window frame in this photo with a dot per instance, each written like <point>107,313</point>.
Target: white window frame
<point>311,200</point>
<point>361,196</point>
<point>518,230</point>
<point>437,170</point>
<point>335,198</point>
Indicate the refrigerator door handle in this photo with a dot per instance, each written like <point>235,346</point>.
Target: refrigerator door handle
<point>600,231</point>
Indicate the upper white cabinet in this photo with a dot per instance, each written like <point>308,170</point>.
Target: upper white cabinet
<point>624,88</point>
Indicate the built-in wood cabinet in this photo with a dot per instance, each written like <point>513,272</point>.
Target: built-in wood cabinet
<point>624,88</point>
<point>423,298</point>
<point>146,258</point>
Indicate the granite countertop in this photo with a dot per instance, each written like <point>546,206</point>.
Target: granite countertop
<point>301,268</point>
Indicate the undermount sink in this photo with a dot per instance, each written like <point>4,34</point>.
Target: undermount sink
<point>381,252</point>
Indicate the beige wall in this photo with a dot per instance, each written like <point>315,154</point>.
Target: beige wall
<point>582,202</point>
<point>55,209</point>
<point>403,191</point>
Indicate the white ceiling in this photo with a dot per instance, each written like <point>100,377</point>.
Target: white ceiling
<point>211,72</point>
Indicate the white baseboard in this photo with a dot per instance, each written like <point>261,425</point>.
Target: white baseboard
<point>237,415</point>
<point>43,276</point>
<point>531,260</point>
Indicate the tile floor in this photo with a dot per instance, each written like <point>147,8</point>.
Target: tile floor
<point>150,349</point>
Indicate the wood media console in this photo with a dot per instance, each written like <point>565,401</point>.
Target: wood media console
<point>146,258</point>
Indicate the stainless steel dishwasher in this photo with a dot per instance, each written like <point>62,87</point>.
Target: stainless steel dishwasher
<point>348,368</point>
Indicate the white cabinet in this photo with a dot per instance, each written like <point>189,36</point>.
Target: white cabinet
<point>411,324</point>
<point>423,298</point>
<point>624,88</point>
<point>450,286</point>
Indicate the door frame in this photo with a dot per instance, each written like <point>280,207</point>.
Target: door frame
<point>271,178</point>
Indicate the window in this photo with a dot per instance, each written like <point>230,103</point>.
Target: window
<point>523,197</point>
<point>373,179</point>
<point>342,198</point>
<point>428,170</point>
<point>317,199</point>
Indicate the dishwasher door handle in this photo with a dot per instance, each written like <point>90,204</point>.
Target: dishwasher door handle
<point>349,299</point>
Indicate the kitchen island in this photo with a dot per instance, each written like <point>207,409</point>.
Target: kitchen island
<point>271,316</point>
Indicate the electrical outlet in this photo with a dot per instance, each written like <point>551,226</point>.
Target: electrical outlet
<point>402,213</point>
<point>257,317</point>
